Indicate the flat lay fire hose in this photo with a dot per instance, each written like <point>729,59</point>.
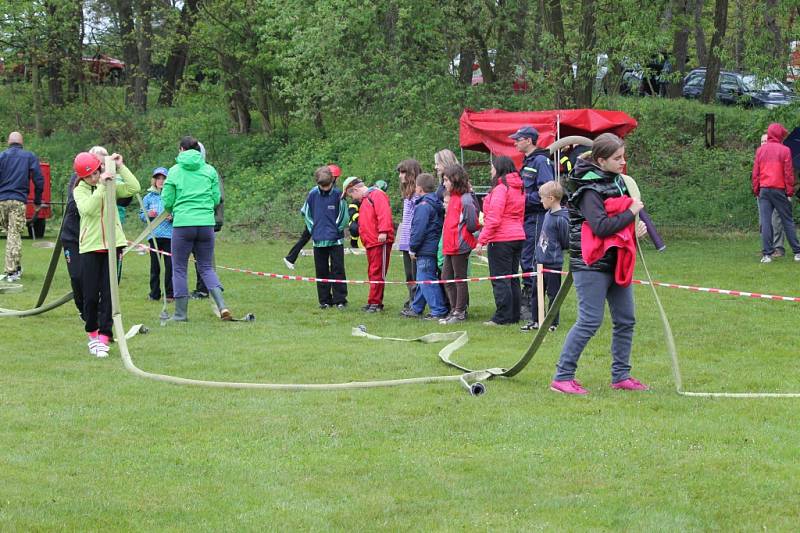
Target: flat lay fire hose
<point>472,380</point>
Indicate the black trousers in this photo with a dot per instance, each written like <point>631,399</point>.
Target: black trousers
<point>504,259</point>
<point>552,282</point>
<point>410,269</point>
<point>164,245</point>
<point>97,291</point>
<point>294,253</point>
<point>329,263</point>
<point>73,258</point>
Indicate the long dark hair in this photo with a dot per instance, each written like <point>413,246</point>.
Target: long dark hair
<point>412,169</point>
<point>189,143</point>
<point>606,145</point>
<point>458,178</point>
<point>502,165</point>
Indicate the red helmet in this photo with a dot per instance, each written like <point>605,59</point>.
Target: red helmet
<point>85,164</point>
<point>335,170</point>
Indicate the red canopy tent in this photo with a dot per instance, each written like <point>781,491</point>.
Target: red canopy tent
<point>488,131</point>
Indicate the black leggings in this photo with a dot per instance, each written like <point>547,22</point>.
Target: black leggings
<point>97,291</point>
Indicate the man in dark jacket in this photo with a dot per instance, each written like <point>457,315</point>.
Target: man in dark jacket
<point>773,185</point>
<point>536,170</point>
<point>17,168</point>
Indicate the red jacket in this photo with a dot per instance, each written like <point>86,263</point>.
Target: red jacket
<point>374,217</point>
<point>593,248</point>
<point>460,221</point>
<point>773,164</point>
<point>503,212</point>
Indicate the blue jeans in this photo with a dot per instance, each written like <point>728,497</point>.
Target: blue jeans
<point>769,201</point>
<point>428,293</point>
<point>593,289</point>
<point>200,241</point>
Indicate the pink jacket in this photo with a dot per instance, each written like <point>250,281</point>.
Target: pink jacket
<point>773,165</point>
<point>503,212</point>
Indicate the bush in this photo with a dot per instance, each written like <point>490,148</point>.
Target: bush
<point>267,176</point>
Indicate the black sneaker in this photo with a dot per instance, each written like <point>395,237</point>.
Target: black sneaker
<point>530,326</point>
<point>341,306</point>
<point>553,327</point>
<point>409,313</point>
<point>324,306</point>
<point>431,316</point>
<point>198,295</point>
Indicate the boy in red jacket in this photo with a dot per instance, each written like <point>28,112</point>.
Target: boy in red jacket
<point>773,185</point>
<point>377,233</point>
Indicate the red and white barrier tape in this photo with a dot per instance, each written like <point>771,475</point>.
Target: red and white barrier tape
<point>287,277</point>
<point>694,288</point>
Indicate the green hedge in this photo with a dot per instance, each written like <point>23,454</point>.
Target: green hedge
<point>684,184</point>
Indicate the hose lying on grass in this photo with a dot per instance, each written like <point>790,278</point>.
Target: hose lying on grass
<point>472,380</point>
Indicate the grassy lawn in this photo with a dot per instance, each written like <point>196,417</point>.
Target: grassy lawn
<point>84,445</point>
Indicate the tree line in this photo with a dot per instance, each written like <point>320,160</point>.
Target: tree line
<point>311,59</point>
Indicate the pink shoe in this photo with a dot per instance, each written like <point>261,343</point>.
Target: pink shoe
<point>102,345</point>
<point>568,387</point>
<point>629,384</point>
<point>93,342</point>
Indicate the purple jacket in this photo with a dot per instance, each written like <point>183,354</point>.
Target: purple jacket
<point>405,226</point>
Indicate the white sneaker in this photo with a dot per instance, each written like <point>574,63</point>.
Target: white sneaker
<point>797,257</point>
<point>93,342</point>
<point>768,259</point>
<point>14,276</point>
<point>290,265</point>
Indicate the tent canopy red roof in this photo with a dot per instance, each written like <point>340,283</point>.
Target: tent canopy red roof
<point>488,131</point>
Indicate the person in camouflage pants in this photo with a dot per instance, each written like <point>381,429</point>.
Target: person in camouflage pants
<point>17,168</point>
<point>12,218</point>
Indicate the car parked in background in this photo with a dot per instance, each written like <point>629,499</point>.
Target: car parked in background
<point>520,82</point>
<point>744,89</point>
<point>103,68</point>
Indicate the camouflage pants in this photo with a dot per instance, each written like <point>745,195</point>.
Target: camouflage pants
<point>12,218</point>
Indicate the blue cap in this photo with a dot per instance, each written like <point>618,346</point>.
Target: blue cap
<point>525,132</point>
<point>161,170</point>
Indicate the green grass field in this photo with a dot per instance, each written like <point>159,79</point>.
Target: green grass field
<point>84,445</point>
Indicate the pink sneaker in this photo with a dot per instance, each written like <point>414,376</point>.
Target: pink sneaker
<point>629,384</point>
<point>102,345</point>
<point>571,386</point>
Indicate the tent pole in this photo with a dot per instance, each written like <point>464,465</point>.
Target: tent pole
<point>557,154</point>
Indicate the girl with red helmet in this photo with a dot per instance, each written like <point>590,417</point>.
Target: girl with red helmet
<point>89,194</point>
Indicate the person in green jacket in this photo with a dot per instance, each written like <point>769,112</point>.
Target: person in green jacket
<point>89,194</point>
<point>190,194</point>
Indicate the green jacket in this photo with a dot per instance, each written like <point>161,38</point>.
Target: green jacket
<point>191,191</point>
<point>91,206</point>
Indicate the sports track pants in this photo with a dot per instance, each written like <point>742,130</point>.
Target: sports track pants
<point>377,265</point>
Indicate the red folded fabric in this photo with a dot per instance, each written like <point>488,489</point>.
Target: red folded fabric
<point>593,248</point>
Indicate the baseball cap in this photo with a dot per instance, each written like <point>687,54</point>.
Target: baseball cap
<point>335,170</point>
<point>525,132</point>
<point>349,182</point>
<point>160,170</point>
